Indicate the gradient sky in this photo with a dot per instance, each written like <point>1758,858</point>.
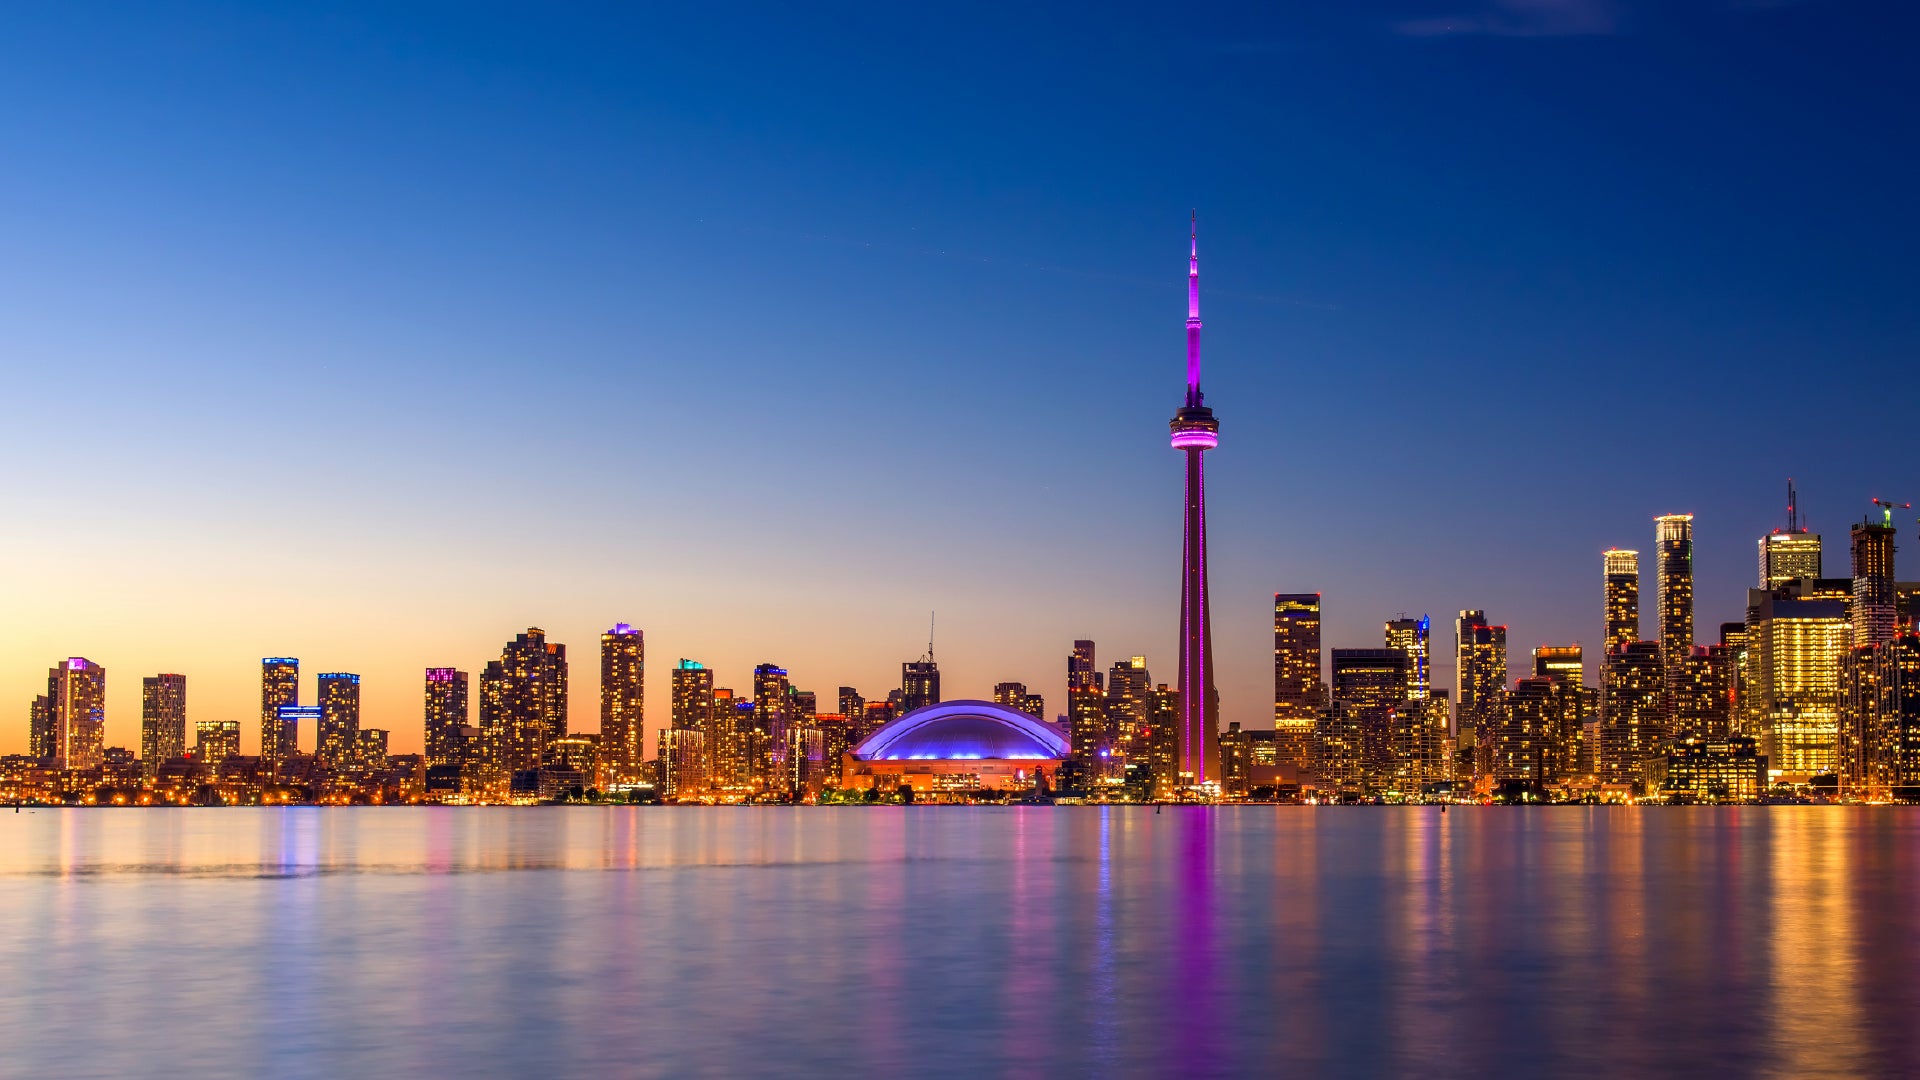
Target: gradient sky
<point>372,334</point>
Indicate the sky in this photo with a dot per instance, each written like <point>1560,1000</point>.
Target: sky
<point>372,334</point>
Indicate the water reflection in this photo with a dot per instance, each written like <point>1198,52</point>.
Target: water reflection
<point>1020,941</point>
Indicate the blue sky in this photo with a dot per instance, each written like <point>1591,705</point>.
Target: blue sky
<point>373,333</point>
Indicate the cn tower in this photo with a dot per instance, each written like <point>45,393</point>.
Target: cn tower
<point>1195,432</point>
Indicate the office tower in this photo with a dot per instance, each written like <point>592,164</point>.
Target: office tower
<point>1298,690</point>
<point>1703,694</point>
<point>1194,431</point>
<point>1369,685</point>
<point>683,759</point>
<point>1410,637</point>
<point>1129,688</point>
<point>1537,736</point>
<point>1623,596</point>
<point>1733,636</point>
<point>1795,635</point>
<point>446,713</point>
<point>1419,743</point>
<point>1082,670</point>
<point>163,721</point>
<point>1873,604</point>
<point>1673,535</point>
<point>854,707</point>
<point>876,715</point>
<point>919,683</point>
<point>623,679</point>
<point>772,709</point>
<point>523,703</point>
<point>1480,672</point>
<point>215,741</point>
<point>339,719</point>
<point>1789,553</point>
<point>279,685</point>
<point>77,704</point>
<point>1563,662</point>
<point>1632,718</point>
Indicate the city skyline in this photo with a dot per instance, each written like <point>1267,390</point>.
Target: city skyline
<point>462,409</point>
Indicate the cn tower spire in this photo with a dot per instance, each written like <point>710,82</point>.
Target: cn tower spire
<point>1193,311</point>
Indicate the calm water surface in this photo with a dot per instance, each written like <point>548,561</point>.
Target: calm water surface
<point>1071,941</point>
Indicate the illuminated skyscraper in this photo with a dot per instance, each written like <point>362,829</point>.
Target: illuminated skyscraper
<point>1086,716</point>
<point>1082,669</point>
<point>446,713</point>
<point>1410,637</point>
<point>77,700</point>
<point>1563,662</point>
<point>1536,737</point>
<point>339,719</point>
<point>1299,693</point>
<point>1673,534</point>
<point>772,711</point>
<point>692,695</point>
<point>1369,686</point>
<point>279,685</point>
<point>1703,694</point>
<point>1633,720</point>
<point>523,703</point>
<point>683,762</point>
<point>1194,432</point>
<point>623,671</point>
<point>41,741</point>
<point>1789,553</point>
<point>853,706</point>
<point>1419,743</point>
<point>163,720</point>
<point>1129,688</point>
<point>919,683</point>
<point>1009,694</point>
<point>1623,597</point>
<point>1873,606</point>
<point>1795,635</point>
<point>1480,672</point>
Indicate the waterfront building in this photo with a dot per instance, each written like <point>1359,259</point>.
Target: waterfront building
<point>1480,674</point>
<point>772,702</point>
<point>1697,769</point>
<point>1299,692</point>
<point>523,703</point>
<point>623,682</point>
<point>163,720</point>
<point>1673,552</point>
<point>446,715</point>
<point>41,742</point>
<point>682,762</point>
<point>215,741</point>
<point>1632,718</point>
<point>1703,693</point>
<point>1623,596</point>
<point>279,685</point>
<point>1368,686</point>
<point>76,712</point>
<point>1157,773</point>
<point>1194,432</point>
<point>1128,690</point>
<point>693,696</point>
<point>955,749</point>
<point>1795,636</point>
<point>1410,637</point>
<point>1535,740</point>
<point>1896,759</point>
<point>1419,743</point>
<point>339,729</point>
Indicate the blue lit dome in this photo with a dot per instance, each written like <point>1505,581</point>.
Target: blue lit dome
<point>963,731</point>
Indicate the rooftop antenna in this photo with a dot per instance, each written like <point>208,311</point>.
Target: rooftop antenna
<point>1793,509</point>
<point>930,636</point>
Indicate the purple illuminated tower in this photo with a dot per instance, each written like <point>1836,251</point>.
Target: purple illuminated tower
<point>1195,432</point>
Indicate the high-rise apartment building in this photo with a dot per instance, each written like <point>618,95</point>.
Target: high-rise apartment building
<point>854,707</point>
<point>41,741</point>
<point>1480,672</point>
<point>446,715</point>
<point>77,704</point>
<point>1563,662</point>
<point>1795,636</point>
<point>1082,669</point>
<point>339,736</point>
<point>1410,637</point>
<point>1873,603</point>
<point>1129,688</point>
<point>1536,739</point>
<point>682,762</point>
<point>523,703</point>
<point>1703,694</point>
<point>216,741</point>
<point>1369,686</point>
<point>693,695</point>
<point>1419,742</point>
<point>1623,597</point>
<point>623,681</point>
<point>1673,552</point>
<point>279,685</point>
<point>1299,691</point>
<point>163,721</point>
<point>773,714</point>
<point>1633,717</point>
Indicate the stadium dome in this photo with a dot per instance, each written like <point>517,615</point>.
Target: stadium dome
<point>963,731</point>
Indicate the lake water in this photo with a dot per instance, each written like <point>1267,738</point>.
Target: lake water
<point>854,941</point>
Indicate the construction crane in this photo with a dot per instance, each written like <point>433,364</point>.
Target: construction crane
<point>1887,508</point>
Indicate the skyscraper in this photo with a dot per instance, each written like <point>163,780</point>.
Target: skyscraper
<point>1410,637</point>
<point>1298,690</point>
<point>446,713</point>
<point>1129,688</point>
<point>1789,553</point>
<point>1795,635</point>
<point>1673,535</point>
<point>623,670</point>
<point>1194,432</point>
<point>1703,694</point>
<point>1480,672</point>
<point>1873,607</point>
<point>523,703</point>
<point>919,683</point>
<point>1369,687</point>
<point>41,741</point>
<point>773,714</point>
<point>77,703</point>
<point>1082,669</point>
<point>339,736</point>
<point>279,685</point>
<point>1623,597</point>
<point>1633,724</point>
<point>163,720</point>
<point>1086,716</point>
<point>1537,735</point>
